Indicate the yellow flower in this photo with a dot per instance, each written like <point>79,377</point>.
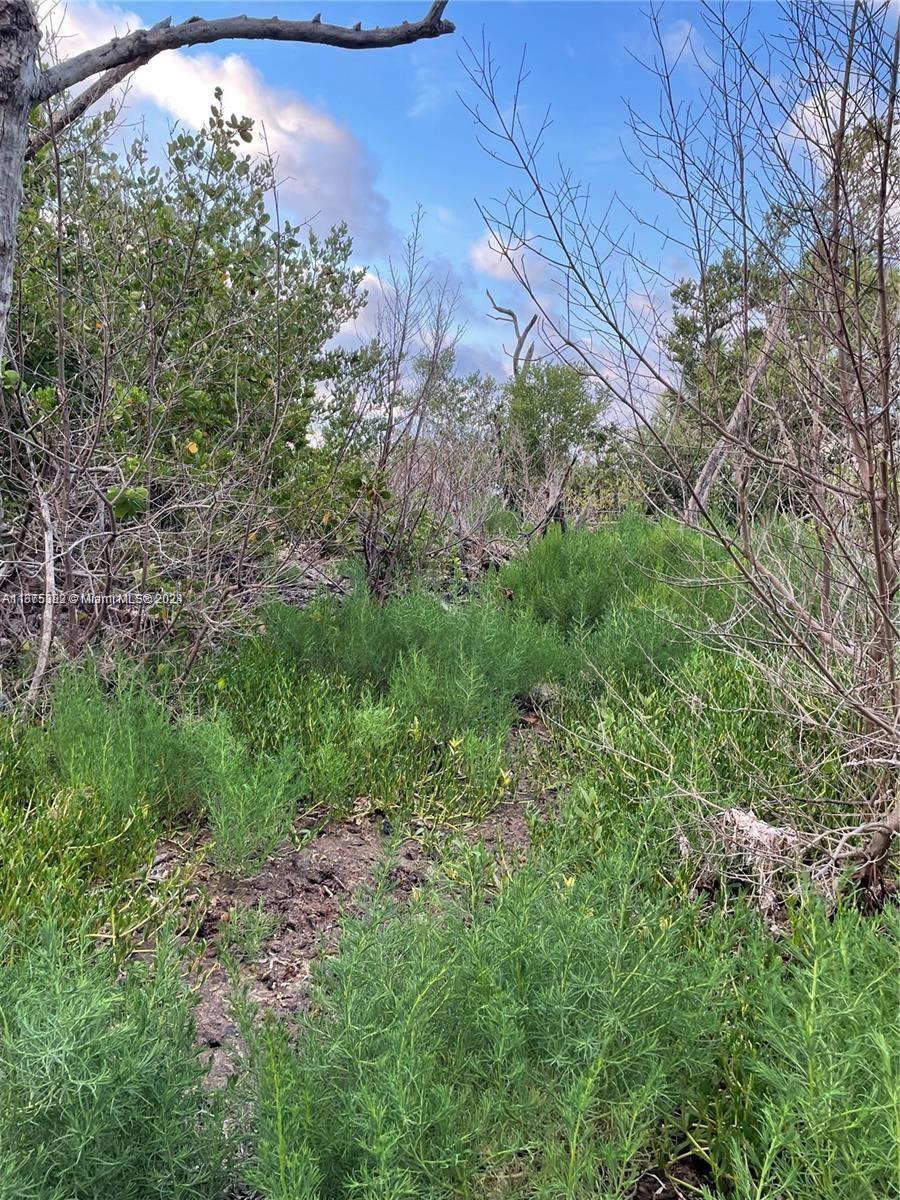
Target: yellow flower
<point>220,684</point>
<point>192,447</point>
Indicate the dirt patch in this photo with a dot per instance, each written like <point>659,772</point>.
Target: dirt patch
<point>299,896</point>
<point>302,893</point>
<point>683,1180</point>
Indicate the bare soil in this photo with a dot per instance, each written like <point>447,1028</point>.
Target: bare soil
<point>305,892</point>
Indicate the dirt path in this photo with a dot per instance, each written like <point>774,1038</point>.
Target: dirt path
<point>301,896</point>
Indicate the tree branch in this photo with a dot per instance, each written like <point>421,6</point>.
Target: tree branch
<point>70,112</point>
<point>144,44</point>
<point>507,314</point>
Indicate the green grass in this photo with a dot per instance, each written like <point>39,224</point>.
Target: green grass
<point>82,804</point>
<point>543,1032</point>
<point>585,1022</point>
<point>101,1092</point>
<point>548,1033</point>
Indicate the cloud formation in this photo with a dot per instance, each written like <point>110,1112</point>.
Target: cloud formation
<point>326,173</point>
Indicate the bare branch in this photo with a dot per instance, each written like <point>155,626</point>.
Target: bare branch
<point>144,44</point>
<point>69,113</point>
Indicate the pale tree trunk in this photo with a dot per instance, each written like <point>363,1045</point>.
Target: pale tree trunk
<point>19,38</point>
<point>735,427</point>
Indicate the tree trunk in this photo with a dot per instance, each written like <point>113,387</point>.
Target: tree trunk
<point>735,427</point>
<point>19,38</point>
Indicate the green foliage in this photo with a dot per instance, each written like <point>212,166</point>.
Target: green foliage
<point>119,743</point>
<point>83,801</point>
<point>814,1087</point>
<point>584,1023</point>
<point>538,1034</point>
<point>250,803</point>
<point>552,1032</point>
<point>407,704</point>
<point>551,413</point>
<point>101,1092</point>
<point>627,593</point>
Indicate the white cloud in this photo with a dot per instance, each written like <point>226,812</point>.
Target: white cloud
<point>683,43</point>
<point>493,257</point>
<point>325,172</point>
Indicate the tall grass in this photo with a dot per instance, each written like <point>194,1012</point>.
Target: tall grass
<point>550,1033</point>
<point>584,1023</point>
<point>538,1037</point>
<point>101,1092</point>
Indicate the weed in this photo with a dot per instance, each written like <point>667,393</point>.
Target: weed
<point>246,930</point>
<point>101,1093</point>
<point>250,803</point>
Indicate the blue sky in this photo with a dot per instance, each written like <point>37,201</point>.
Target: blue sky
<point>388,128</point>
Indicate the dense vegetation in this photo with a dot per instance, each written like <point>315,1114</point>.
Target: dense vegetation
<point>609,716</point>
<point>555,1030</point>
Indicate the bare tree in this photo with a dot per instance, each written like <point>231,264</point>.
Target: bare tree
<point>790,166</point>
<point>404,498</point>
<point>24,84</point>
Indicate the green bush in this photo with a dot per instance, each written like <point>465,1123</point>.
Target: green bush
<point>64,852</point>
<point>580,1025</point>
<point>469,661</point>
<point>101,1092</point>
<point>406,704</point>
<point>626,588</point>
<point>120,744</point>
<point>814,1078</point>
<point>250,802</point>
<point>542,1034</point>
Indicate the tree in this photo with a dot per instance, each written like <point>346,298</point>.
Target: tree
<point>802,127</point>
<point>552,415</point>
<point>171,363</point>
<point>25,85</point>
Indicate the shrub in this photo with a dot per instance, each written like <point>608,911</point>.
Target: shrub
<point>120,744</point>
<point>405,704</point>
<point>250,802</point>
<point>814,1084</point>
<point>101,1091</point>
<point>576,582</point>
<point>68,853</point>
<point>543,1034</point>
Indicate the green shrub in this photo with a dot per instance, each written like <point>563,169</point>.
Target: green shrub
<point>120,744</point>
<point>814,1083</point>
<point>65,853</point>
<point>406,705</point>
<point>250,802</point>
<point>576,582</point>
<point>583,1023</point>
<point>543,1034</point>
<point>101,1092</point>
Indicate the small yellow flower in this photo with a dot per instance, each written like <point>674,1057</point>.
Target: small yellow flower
<point>220,684</point>
<point>192,447</point>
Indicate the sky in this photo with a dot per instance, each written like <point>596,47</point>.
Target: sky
<point>366,137</point>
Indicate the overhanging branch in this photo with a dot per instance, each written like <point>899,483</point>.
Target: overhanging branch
<point>144,44</point>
